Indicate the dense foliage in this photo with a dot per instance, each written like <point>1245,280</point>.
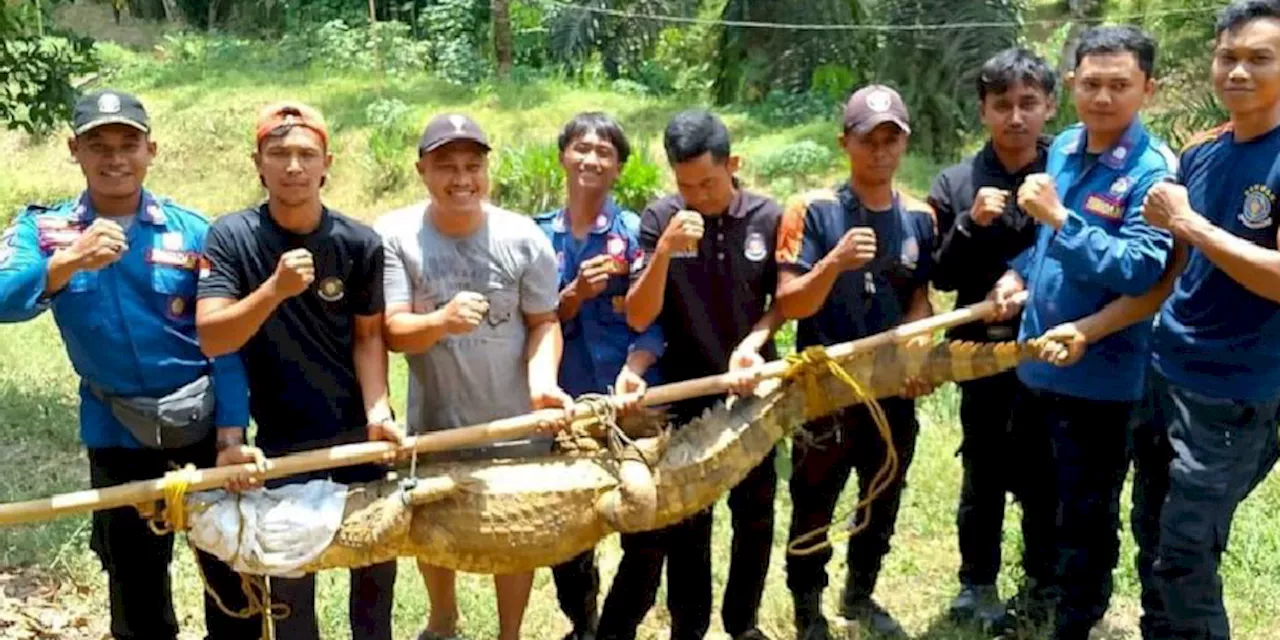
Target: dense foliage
<point>38,67</point>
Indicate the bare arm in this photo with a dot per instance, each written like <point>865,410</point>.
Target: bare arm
<point>1256,268</point>
<point>413,333</point>
<point>801,295</point>
<point>224,325</point>
<point>1122,313</point>
<point>644,298</point>
<point>543,347</point>
<point>370,355</point>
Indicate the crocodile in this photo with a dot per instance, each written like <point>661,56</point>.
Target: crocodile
<point>510,516</point>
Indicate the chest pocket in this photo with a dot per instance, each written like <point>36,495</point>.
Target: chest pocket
<point>503,294</point>
<point>173,276</point>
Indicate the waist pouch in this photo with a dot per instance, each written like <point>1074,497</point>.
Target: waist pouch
<point>180,419</point>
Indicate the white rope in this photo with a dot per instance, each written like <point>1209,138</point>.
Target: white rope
<point>871,27</point>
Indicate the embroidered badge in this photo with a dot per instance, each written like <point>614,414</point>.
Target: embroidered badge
<point>206,267</point>
<point>188,260</point>
<point>1103,206</point>
<point>879,101</point>
<point>1120,186</point>
<point>172,241</point>
<point>109,103</point>
<point>755,248</point>
<point>910,253</point>
<point>637,263</point>
<point>602,222</point>
<point>331,289</point>
<point>177,306</point>
<point>616,245</point>
<point>1256,212</point>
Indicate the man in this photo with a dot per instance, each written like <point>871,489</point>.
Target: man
<point>1092,247</point>
<point>854,262</point>
<point>117,267</point>
<point>705,277</point>
<point>982,229</point>
<point>297,288</point>
<point>1208,436</point>
<point>595,243</point>
<point>471,302</point>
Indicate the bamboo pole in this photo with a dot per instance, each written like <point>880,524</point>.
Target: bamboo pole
<point>544,421</point>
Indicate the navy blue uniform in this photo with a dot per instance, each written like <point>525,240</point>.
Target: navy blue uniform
<point>1208,435</point>
<point>862,302</point>
<point>597,342</point>
<point>130,331</point>
<point>1103,251</point>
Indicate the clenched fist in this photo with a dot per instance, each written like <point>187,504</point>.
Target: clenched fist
<point>1165,204</point>
<point>1039,198</point>
<point>988,205</point>
<point>294,272</point>
<point>856,248</point>
<point>683,232</point>
<point>464,312</point>
<point>593,277</point>
<point>98,246</point>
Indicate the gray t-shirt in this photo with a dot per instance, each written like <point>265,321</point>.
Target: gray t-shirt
<point>479,376</point>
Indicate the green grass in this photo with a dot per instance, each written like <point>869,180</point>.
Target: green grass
<point>202,121</point>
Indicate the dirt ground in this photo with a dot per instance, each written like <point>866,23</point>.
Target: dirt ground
<point>35,605</point>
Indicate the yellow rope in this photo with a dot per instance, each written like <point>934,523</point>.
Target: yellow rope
<point>807,368</point>
<point>173,518</point>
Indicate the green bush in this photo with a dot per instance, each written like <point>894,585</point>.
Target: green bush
<point>529,179</point>
<point>392,133</point>
<point>797,160</point>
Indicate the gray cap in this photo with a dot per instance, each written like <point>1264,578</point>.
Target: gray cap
<point>873,105</point>
<point>451,127</point>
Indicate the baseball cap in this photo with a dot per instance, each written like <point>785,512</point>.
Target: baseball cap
<point>873,105</point>
<point>290,114</point>
<point>108,107</point>
<point>451,127</point>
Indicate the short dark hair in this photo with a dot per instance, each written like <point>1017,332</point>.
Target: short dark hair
<point>694,132</point>
<point>1111,38</point>
<point>1240,12</point>
<point>1013,66</point>
<point>603,126</point>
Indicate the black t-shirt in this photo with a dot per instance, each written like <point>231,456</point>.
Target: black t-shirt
<point>970,258</point>
<point>714,299</point>
<point>302,379</point>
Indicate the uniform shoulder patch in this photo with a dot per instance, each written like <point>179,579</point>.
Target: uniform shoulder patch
<point>1205,137</point>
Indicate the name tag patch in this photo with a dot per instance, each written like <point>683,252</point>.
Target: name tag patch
<point>1104,206</point>
<point>188,260</point>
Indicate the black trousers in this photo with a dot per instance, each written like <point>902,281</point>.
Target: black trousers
<point>372,588</point>
<point>991,443</point>
<point>1196,458</point>
<point>137,560</point>
<point>369,604</point>
<point>1085,465</point>
<point>822,459</point>
<point>686,548</point>
<point>577,585</point>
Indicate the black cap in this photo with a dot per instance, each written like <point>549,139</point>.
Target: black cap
<point>451,127</point>
<point>872,106</point>
<point>109,107</point>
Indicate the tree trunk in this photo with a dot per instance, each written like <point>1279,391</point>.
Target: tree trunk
<point>172,13</point>
<point>213,15</point>
<point>373,12</point>
<point>502,46</point>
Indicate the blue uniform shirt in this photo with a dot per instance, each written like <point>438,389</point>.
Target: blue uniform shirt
<point>1214,336</point>
<point>871,299</point>
<point>130,327</point>
<point>598,339</point>
<point>1103,251</point>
